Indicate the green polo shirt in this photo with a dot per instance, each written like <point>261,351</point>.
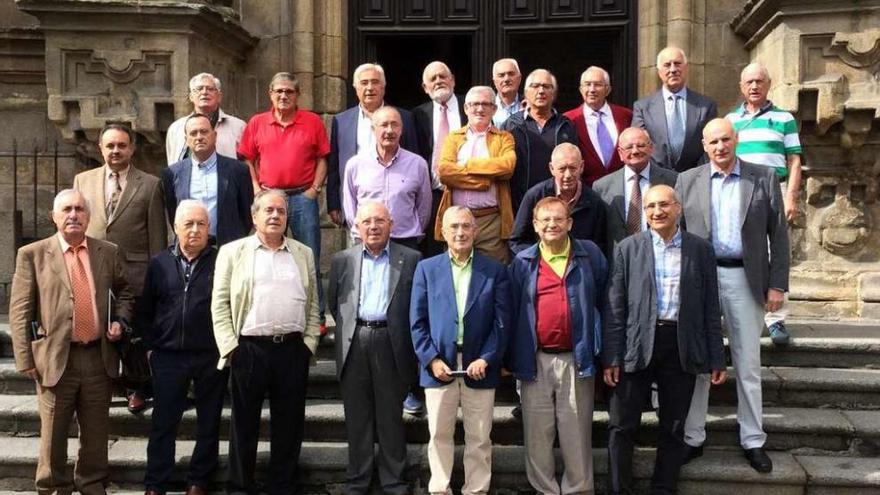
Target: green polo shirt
<point>461,280</point>
<point>557,262</point>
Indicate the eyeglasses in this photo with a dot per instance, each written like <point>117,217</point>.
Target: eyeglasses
<point>284,91</point>
<point>591,84</point>
<point>662,205</point>
<point>209,89</point>
<point>544,86</point>
<point>552,220</point>
<point>480,104</point>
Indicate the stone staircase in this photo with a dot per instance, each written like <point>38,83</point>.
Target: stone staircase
<point>822,416</point>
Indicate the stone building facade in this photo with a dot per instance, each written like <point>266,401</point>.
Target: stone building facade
<point>67,66</point>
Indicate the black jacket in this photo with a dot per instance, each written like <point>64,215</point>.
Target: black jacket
<point>173,314</point>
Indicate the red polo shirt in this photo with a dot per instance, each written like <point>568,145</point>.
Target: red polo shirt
<point>288,154</point>
<point>552,314</point>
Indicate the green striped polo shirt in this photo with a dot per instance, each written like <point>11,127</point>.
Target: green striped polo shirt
<point>766,137</point>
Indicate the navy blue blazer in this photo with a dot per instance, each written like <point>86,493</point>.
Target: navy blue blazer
<point>433,315</point>
<point>343,145</point>
<point>235,194</point>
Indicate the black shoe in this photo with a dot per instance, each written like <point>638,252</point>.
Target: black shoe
<point>779,334</point>
<point>691,453</point>
<point>516,412</point>
<point>759,460</point>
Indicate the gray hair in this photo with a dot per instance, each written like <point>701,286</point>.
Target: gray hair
<point>566,148</point>
<point>596,67</point>
<point>371,204</point>
<point>284,76</point>
<point>754,66</point>
<point>500,60</point>
<point>679,50</point>
<point>258,198</point>
<point>538,71</point>
<point>383,110</point>
<point>56,203</point>
<point>196,79</point>
<point>189,204</point>
<point>365,67</point>
<point>456,209</point>
<point>479,89</point>
<point>436,62</point>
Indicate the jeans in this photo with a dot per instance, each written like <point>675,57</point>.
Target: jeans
<point>302,217</point>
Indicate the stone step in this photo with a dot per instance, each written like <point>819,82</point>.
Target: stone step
<point>719,471</point>
<point>802,429</point>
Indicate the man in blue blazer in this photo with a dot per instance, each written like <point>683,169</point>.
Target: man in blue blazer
<point>350,132</point>
<point>221,183</point>
<point>460,313</point>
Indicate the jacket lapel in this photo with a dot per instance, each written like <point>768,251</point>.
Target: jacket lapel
<point>658,112</point>
<point>93,188</point>
<point>348,135</point>
<point>133,183</point>
<point>704,198</point>
<point>222,184</point>
<point>56,260</point>
<point>619,201</point>
<point>746,187</point>
<point>183,179</point>
<point>395,262</point>
<point>97,259</point>
<point>478,280</point>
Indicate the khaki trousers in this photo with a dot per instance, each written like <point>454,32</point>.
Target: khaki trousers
<point>442,404</point>
<point>84,389</point>
<point>558,401</point>
<point>489,241</point>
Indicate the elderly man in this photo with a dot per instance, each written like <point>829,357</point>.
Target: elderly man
<point>623,190</point>
<point>598,125</point>
<point>266,323</point>
<point>537,130</point>
<point>768,135</point>
<point>585,207</point>
<point>434,120</point>
<point>391,175</point>
<point>737,206</point>
<point>206,94</point>
<point>476,166</point>
<point>352,132</point>
<point>286,148</point>
<point>559,286</point>
<point>129,213</point>
<point>663,325</point>
<point>506,78</point>
<point>61,337</point>
<point>222,184</point>
<point>675,115</point>
<point>460,314</point>
<point>369,296</point>
<point>174,315</point>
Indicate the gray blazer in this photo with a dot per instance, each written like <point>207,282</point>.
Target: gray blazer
<point>650,113</point>
<point>611,190</point>
<point>632,307</point>
<point>763,222</point>
<point>343,297</point>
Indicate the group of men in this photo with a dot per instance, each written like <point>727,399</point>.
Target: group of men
<point>596,243</point>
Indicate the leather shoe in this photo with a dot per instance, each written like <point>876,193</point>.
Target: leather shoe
<point>691,453</point>
<point>759,460</point>
<point>136,403</point>
<point>196,490</point>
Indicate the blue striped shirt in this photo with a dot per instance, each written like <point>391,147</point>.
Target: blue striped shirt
<point>373,299</point>
<point>727,213</point>
<point>203,187</point>
<point>667,275</point>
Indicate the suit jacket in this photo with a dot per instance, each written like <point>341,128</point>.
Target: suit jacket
<point>41,292</point>
<point>138,225</point>
<point>632,307</point>
<point>424,120</point>
<point>763,221</point>
<point>343,297</point>
<point>235,194</point>
<point>232,295</point>
<point>434,317</point>
<point>343,145</point>
<point>593,166</point>
<point>650,113</point>
<point>611,189</point>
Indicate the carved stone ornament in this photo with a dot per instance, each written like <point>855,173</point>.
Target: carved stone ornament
<point>860,50</point>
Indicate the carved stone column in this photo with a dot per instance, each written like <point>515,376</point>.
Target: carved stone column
<point>824,58</point>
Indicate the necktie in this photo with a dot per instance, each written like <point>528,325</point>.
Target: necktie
<point>115,192</point>
<point>606,144</point>
<point>676,128</point>
<point>442,131</point>
<point>634,213</point>
<point>84,326</point>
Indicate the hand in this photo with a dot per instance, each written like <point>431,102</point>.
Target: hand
<point>775,298</point>
<point>32,374</point>
<point>791,201</point>
<point>440,370</point>
<point>612,376</point>
<point>505,372</point>
<point>115,332</point>
<point>477,369</point>
<point>336,216</point>
<point>310,193</point>
<point>718,377</point>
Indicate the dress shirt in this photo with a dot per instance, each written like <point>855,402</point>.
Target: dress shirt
<point>574,199</point>
<point>373,299</point>
<point>503,112</point>
<point>108,187</point>
<point>644,185</point>
<point>403,186</point>
<point>276,277</point>
<point>461,281</point>
<point>727,213</point>
<point>365,137</point>
<point>203,186</point>
<point>70,263</point>
<point>558,262</point>
<point>474,147</point>
<point>593,121</point>
<point>229,130</point>
<point>682,106</point>
<point>667,275</point>
<point>454,123</point>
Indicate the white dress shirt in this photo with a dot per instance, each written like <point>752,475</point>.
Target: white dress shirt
<point>275,274</point>
<point>593,121</point>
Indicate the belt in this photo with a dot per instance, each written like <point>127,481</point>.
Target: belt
<point>296,190</point>
<point>372,323</point>
<point>482,212</point>
<point>553,350</point>
<point>278,338</point>
<point>85,345</point>
<point>729,262</point>
<point>667,323</point>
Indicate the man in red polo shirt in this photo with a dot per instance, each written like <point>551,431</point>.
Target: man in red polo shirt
<point>286,148</point>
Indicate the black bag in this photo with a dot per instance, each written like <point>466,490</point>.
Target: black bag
<point>134,368</point>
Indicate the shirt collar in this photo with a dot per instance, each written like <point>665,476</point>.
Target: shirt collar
<point>66,246</point>
<point>368,254</point>
<point>545,252</point>
<point>577,194</point>
<point>122,173</point>
<point>363,111</point>
<point>207,164</point>
<point>735,172</point>
<point>606,109</point>
<point>743,110</point>
<point>500,103</point>
<point>528,116</point>
<point>451,103</point>
<point>628,173</point>
<point>256,244</point>
<point>473,133</point>
<point>683,92</point>
<point>659,242</point>
<point>466,263</point>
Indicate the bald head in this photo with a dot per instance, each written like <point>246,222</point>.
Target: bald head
<point>672,67</point>
<point>566,167</point>
<point>719,142</point>
<point>634,147</point>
